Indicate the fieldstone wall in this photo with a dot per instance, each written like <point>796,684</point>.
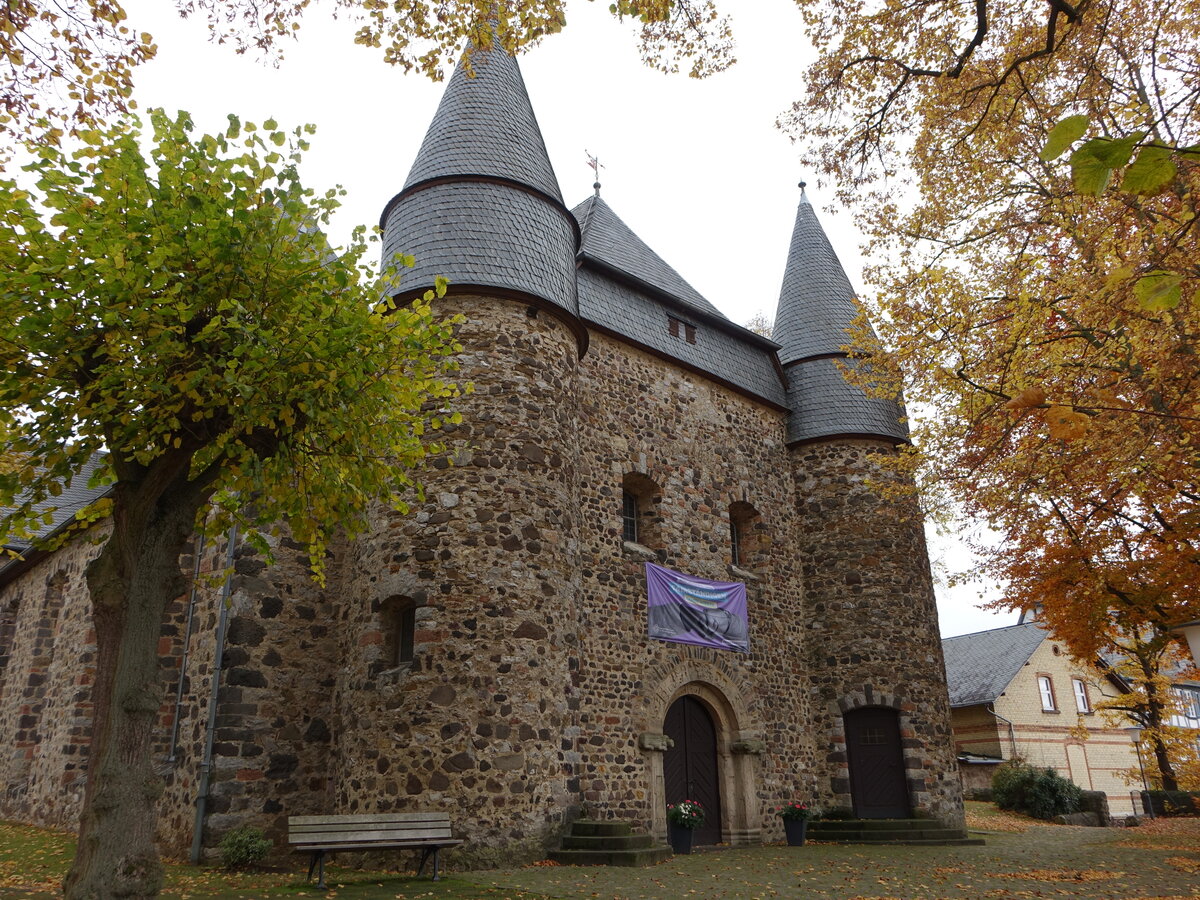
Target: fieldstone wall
<point>273,735</point>
<point>871,629</point>
<point>479,724</point>
<point>705,448</point>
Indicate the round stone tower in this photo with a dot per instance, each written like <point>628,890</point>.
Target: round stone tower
<point>459,624</point>
<point>873,651</point>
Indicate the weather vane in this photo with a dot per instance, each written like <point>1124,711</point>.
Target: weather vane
<point>594,162</point>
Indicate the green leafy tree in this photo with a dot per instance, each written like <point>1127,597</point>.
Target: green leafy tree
<point>181,312</point>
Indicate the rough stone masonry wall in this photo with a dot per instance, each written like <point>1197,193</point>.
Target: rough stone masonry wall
<point>273,728</point>
<point>479,724</point>
<point>706,448</point>
<point>272,735</point>
<point>872,632</point>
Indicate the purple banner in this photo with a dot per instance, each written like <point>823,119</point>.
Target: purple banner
<point>691,610</point>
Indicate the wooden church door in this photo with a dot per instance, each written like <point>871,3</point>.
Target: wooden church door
<point>690,767</point>
<point>877,782</point>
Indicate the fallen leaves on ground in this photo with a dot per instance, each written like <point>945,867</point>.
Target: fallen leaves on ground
<point>1079,875</point>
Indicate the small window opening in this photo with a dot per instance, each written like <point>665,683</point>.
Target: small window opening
<point>400,628</point>
<point>735,541</point>
<point>640,498</point>
<point>629,517</point>
<point>679,328</point>
<point>747,536</point>
<point>689,333</point>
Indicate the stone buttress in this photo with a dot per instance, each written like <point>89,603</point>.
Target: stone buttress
<point>486,572</point>
<point>872,645</point>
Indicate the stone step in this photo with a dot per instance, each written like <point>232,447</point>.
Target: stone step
<point>909,842</point>
<point>886,831</point>
<point>599,827</point>
<point>645,857</point>
<point>607,842</point>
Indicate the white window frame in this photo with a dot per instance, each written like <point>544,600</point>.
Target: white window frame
<point>1082,702</point>
<point>1046,689</point>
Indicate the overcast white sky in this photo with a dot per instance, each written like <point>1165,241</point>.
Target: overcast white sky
<point>696,168</point>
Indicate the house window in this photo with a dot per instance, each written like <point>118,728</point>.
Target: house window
<point>1081,696</point>
<point>1046,689</point>
<point>399,628</point>
<point>629,517</point>
<point>679,328</point>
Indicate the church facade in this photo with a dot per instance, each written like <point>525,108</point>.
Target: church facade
<point>488,654</point>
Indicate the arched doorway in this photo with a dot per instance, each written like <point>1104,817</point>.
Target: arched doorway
<point>690,766</point>
<point>877,783</point>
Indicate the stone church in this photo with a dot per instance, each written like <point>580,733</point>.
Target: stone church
<point>488,655</point>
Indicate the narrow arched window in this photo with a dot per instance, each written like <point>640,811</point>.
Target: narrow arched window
<point>640,499</point>
<point>399,628</point>
<point>629,517</point>
<point>747,536</point>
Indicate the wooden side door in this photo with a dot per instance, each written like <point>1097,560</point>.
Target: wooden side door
<point>877,782</point>
<point>690,767</point>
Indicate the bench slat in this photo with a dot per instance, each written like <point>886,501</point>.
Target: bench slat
<point>413,828</point>
<point>376,846</point>
<point>366,835</point>
<point>380,819</point>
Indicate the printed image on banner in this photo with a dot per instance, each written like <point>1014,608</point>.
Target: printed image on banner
<point>691,610</point>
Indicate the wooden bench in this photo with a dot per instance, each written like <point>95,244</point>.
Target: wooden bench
<point>319,835</point>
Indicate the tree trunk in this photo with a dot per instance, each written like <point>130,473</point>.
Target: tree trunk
<point>131,582</point>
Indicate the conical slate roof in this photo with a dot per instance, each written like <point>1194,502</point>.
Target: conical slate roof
<point>609,241</point>
<point>816,302</point>
<point>816,308</point>
<point>481,206</point>
<point>485,126</point>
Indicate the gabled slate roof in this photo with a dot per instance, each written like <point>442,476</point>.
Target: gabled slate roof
<point>64,506</point>
<point>816,302</point>
<point>481,206</point>
<point>485,126</point>
<point>980,666</point>
<point>609,241</point>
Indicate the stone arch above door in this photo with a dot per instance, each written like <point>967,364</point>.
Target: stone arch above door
<point>916,774</point>
<point>738,744</point>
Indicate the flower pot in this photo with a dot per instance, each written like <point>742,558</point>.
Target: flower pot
<point>681,838</point>
<point>795,830</point>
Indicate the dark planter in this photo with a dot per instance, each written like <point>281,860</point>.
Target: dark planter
<point>681,838</point>
<point>795,830</point>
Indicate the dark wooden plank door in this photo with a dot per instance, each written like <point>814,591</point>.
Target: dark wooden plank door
<point>690,767</point>
<point>877,781</point>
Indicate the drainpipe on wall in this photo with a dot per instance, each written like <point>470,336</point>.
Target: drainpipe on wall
<point>187,641</point>
<point>1012,737</point>
<point>210,728</point>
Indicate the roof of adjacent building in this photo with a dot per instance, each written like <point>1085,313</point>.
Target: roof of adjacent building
<point>75,497</point>
<point>981,666</point>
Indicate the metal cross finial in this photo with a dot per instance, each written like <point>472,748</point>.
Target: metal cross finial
<point>594,162</point>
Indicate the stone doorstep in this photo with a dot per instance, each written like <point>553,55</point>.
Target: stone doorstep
<point>607,842</point>
<point>598,827</point>
<point>907,842</point>
<point>888,831</point>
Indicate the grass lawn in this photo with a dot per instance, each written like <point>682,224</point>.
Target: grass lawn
<point>1021,859</point>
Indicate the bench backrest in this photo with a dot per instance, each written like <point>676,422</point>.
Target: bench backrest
<point>368,828</point>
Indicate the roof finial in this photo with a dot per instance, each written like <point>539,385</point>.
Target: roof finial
<point>594,162</point>
<point>803,193</point>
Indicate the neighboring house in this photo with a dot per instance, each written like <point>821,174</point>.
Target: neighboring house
<point>490,655</point>
<point>1016,691</point>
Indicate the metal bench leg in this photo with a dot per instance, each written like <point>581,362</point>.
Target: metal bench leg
<point>436,876</point>
<point>321,870</point>
<point>425,851</point>
<point>312,864</point>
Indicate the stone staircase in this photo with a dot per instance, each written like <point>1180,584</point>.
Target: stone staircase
<point>594,843</point>
<point>927,832</point>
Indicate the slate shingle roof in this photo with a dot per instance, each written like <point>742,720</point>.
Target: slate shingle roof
<point>621,308</point>
<point>481,206</point>
<point>816,307</point>
<point>484,234</point>
<point>485,126</point>
<point>816,301</point>
<point>610,241</point>
<point>980,666</point>
<point>825,404</point>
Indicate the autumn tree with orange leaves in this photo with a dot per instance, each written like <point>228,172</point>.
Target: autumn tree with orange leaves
<point>1028,172</point>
